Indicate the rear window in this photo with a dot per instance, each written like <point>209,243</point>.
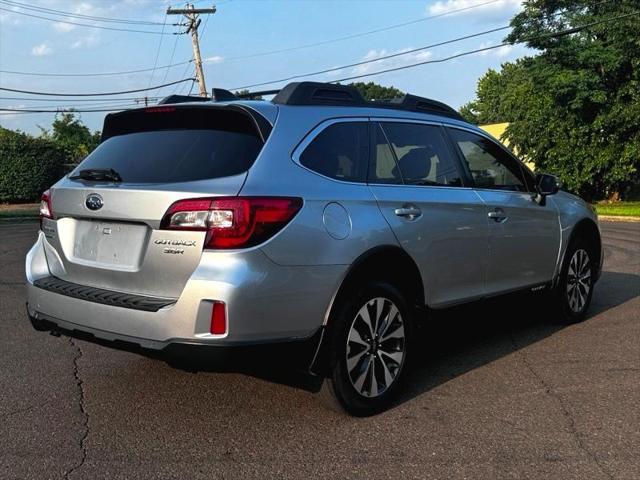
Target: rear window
<point>168,145</point>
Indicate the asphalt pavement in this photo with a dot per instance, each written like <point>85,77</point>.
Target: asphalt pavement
<point>500,390</point>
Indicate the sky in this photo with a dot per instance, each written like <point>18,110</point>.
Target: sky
<point>245,42</point>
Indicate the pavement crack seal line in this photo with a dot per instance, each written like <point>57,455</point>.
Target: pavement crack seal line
<point>85,415</point>
<point>565,411</point>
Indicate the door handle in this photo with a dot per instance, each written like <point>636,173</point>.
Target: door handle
<point>409,212</point>
<point>498,215</point>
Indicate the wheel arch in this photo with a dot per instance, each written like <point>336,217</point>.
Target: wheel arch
<point>397,266</point>
<point>585,228</point>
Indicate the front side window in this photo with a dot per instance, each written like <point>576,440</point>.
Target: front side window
<point>421,154</point>
<point>490,166</point>
<point>340,151</point>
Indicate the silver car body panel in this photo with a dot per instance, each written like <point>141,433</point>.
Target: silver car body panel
<point>284,288</point>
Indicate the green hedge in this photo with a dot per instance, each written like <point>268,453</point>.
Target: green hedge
<point>28,166</point>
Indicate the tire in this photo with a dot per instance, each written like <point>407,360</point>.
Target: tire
<point>367,371</point>
<point>571,297</point>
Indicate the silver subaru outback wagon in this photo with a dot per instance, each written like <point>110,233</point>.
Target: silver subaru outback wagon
<point>316,219</point>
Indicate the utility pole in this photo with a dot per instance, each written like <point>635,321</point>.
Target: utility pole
<point>192,15</point>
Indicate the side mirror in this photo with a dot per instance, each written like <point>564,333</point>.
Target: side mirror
<point>547,184</point>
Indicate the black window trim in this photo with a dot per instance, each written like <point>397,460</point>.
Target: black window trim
<point>527,175</point>
<point>311,135</point>
<point>455,156</point>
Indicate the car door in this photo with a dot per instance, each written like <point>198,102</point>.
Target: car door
<point>418,183</point>
<point>524,236</point>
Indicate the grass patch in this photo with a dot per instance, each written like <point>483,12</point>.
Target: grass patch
<point>18,214</point>
<point>622,209</point>
<point>24,210</point>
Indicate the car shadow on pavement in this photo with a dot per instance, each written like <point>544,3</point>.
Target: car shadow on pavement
<point>453,341</point>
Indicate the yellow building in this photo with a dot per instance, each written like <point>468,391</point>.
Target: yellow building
<point>497,130</point>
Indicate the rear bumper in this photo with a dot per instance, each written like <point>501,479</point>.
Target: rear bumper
<point>297,354</point>
<point>266,303</point>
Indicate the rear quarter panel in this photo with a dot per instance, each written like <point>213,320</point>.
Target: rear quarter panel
<point>307,240</point>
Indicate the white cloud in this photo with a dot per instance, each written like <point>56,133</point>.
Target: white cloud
<point>84,8</point>
<point>85,42</point>
<point>63,27</point>
<point>9,19</point>
<point>499,52</point>
<point>41,50</point>
<point>6,115</point>
<point>335,73</point>
<point>474,7</point>
<point>214,59</point>
<point>413,57</point>
<point>504,50</point>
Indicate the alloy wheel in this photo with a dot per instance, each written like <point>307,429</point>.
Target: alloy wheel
<point>578,280</point>
<point>376,347</point>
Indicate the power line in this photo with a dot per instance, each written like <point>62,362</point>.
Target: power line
<point>181,87</point>
<point>191,88</point>
<point>90,110</point>
<point>100,74</point>
<point>66,108</point>
<point>365,62</point>
<point>394,55</point>
<point>158,51</point>
<point>537,37</point>
<point>92,104</point>
<point>62,100</point>
<point>173,52</point>
<point>96,94</point>
<point>361,34</point>
<point>52,11</point>
<point>83,24</point>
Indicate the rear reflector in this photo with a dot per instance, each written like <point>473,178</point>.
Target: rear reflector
<point>218,319</point>
<point>232,222</point>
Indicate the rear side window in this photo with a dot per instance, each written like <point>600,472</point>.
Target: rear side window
<point>177,145</point>
<point>422,155</point>
<point>340,151</point>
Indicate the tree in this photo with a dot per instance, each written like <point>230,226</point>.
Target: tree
<point>28,166</point>
<point>574,108</point>
<point>373,91</point>
<point>72,136</point>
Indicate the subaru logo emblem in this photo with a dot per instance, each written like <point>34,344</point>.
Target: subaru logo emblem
<point>93,201</point>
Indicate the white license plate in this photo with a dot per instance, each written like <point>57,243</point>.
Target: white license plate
<point>109,244</point>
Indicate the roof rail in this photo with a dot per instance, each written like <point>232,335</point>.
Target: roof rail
<point>317,93</point>
<point>418,104</point>
<point>258,94</point>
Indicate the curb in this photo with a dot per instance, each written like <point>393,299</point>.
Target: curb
<point>18,219</point>
<point>618,218</point>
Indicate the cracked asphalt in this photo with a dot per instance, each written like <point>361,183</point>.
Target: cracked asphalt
<point>500,390</point>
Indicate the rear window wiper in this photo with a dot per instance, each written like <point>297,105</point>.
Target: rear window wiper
<point>97,175</point>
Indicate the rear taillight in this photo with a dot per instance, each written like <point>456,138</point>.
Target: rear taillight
<point>45,206</point>
<point>232,222</point>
